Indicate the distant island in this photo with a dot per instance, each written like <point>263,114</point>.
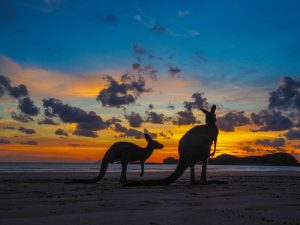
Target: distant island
<point>282,159</point>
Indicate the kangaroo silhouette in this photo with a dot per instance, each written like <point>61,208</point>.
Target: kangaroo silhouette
<point>124,152</point>
<point>194,146</point>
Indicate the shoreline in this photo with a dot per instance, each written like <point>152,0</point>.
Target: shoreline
<point>249,198</point>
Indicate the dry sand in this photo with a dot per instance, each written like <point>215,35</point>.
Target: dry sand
<point>249,198</point>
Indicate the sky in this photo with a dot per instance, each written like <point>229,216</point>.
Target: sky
<point>77,76</point>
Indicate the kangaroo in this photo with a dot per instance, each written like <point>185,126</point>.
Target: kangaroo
<point>124,152</point>
<point>194,146</point>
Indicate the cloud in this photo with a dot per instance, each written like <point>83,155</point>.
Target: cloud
<point>27,131</point>
<point>32,142</point>
<point>170,106</point>
<point>231,120</point>
<point>125,132</point>
<point>4,141</point>
<point>85,133</point>
<point>21,117</point>
<point>14,91</point>
<point>134,119</point>
<point>122,93</point>
<point>74,145</point>
<point>293,134</point>
<point>60,131</point>
<point>199,102</point>
<point>156,118</point>
<point>183,13</point>
<point>87,123</point>
<point>48,121</point>
<point>276,143</point>
<point>151,106</point>
<point>138,50</point>
<point>184,118</point>
<point>152,135</point>
<point>248,149</point>
<point>147,70</point>
<point>166,134</point>
<point>159,28</point>
<point>27,106</point>
<point>174,72</point>
<point>109,19</point>
<point>271,121</point>
<point>70,114</point>
<point>286,96</point>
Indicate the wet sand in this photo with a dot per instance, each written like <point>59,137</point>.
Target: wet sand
<point>249,198</point>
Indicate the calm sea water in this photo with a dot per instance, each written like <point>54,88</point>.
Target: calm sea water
<point>87,167</point>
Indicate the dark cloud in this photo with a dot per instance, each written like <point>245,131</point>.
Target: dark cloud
<point>293,134</point>
<point>9,128</point>
<point>71,114</point>
<point>231,120</point>
<point>48,121</point>
<point>14,91</point>
<point>158,28</point>
<point>185,118</point>
<point>270,120</point>
<point>87,123</point>
<point>199,102</point>
<point>85,133</point>
<point>27,106</point>
<point>276,143</point>
<point>32,142</point>
<point>60,131</point>
<point>147,70</point>
<point>4,141</point>
<point>151,107</point>
<point>122,93</point>
<point>138,50</point>
<point>125,132</point>
<point>174,72</point>
<point>111,19</point>
<point>156,118</point>
<point>152,135</point>
<point>27,131</point>
<point>170,106</point>
<point>248,149</point>
<point>166,134</point>
<point>134,119</point>
<point>74,145</point>
<point>21,117</point>
<point>286,96</point>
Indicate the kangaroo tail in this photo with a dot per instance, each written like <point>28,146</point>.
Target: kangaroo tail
<point>181,167</point>
<point>104,165</point>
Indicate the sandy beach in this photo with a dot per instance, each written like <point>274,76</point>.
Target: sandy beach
<point>249,198</point>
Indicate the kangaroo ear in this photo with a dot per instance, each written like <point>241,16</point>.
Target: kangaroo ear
<point>213,109</point>
<point>204,110</point>
<point>147,137</point>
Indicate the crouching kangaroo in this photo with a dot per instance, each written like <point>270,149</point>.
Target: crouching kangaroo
<point>194,146</point>
<point>124,152</point>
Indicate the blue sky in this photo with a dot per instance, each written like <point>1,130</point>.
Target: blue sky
<point>234,54</point>
<point>232,38</point>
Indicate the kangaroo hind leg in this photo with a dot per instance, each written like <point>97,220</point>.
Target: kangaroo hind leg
<point>192,171</point>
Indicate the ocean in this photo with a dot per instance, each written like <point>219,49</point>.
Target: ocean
<point>93,167</point>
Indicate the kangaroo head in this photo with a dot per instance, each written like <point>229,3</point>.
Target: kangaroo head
<point>153,144</point>
<point>210,116</point>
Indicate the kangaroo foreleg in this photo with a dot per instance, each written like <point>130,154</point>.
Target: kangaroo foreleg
<point>142,169</point>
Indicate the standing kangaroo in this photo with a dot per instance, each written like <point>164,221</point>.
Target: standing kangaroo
<point>124,152</point>
<point>194,146</point>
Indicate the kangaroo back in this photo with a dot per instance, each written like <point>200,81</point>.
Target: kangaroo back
<point>181,167</point>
